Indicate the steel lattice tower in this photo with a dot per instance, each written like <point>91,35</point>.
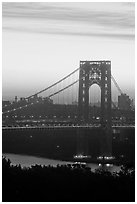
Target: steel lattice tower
<point>98,72</point>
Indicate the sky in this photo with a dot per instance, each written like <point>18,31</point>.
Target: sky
<point>43,42</point>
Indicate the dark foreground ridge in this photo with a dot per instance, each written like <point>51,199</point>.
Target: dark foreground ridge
<point>66,183</point>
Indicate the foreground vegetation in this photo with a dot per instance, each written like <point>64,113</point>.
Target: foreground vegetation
<point>66,183</point>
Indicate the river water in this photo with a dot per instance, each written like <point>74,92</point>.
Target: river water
<point>27,161</point>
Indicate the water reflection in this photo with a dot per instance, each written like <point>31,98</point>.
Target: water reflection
<point>27,161</point>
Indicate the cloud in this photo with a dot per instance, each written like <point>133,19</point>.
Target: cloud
<point>76,33</point>
<point>108,17</point>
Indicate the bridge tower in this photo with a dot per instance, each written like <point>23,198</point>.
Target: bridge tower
<point>98,72</point>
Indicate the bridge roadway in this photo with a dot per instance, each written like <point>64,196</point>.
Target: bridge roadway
<point>66,126</point>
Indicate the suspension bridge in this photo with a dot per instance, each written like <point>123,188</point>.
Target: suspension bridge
<point>74,89</point>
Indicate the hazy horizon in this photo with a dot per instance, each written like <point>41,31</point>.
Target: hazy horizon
<point>43,42</point>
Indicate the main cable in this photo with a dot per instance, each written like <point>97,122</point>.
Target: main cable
<point>49,86</point>
<point>51,95</point>
<point>53,84</point>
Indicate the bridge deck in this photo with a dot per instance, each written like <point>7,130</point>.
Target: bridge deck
<point>66,126</point>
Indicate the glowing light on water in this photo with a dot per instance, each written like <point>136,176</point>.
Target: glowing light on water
<point>109,165</point>
<point>81,163</point>
<point>80,156</point>
<point>106,157</point>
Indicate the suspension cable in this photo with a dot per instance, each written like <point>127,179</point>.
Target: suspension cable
<point>116,84</point>
<point>51,95</point>
<point>53,84</point>
<point>63,89</point>
<point>113,104</point>
<point>50,85</point>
